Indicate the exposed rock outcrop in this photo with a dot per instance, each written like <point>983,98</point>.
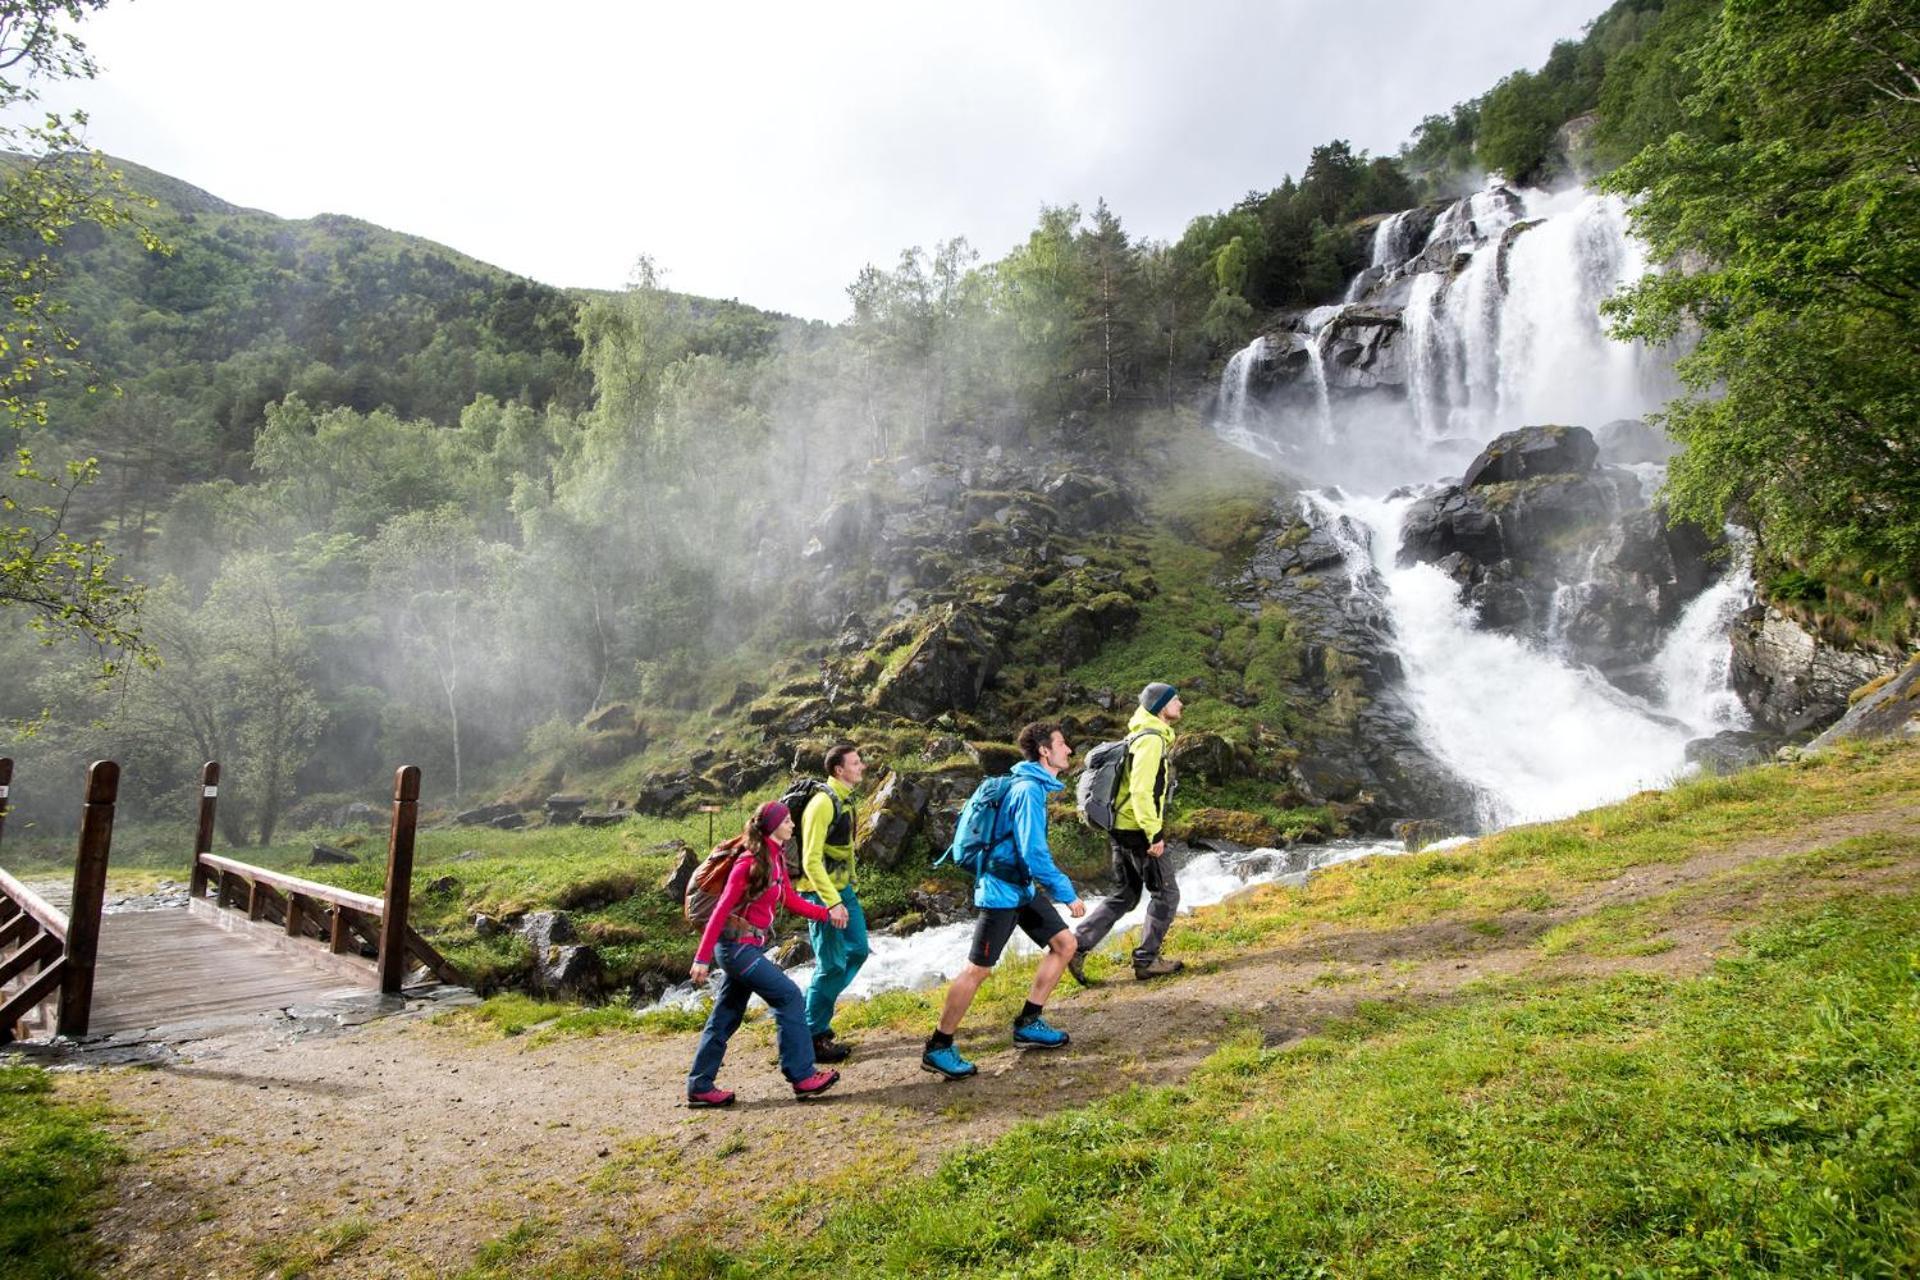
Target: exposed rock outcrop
<point>1789,680</point>
<point>1888,709</point>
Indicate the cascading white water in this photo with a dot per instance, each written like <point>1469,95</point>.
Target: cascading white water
<point>1322,398</point>
<point>1536,736</point>
<point>1513,336</point>
<point>1389,251</point>
<point>1695,662</point>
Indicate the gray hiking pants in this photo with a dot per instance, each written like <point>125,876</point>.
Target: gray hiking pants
<point>1137,873</point>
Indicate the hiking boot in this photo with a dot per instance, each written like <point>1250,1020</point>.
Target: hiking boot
<point>825,1050</point>
<point>1158,967</point>
<point>710,1098</point>
<point>947,1062</point>
<point>814,1085</point>
<point>1078,968</point>
<point>1036,1034</point>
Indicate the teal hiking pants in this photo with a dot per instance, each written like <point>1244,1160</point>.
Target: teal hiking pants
<point>837,957</point>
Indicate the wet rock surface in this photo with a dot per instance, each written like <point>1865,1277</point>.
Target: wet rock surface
<point>1791,681</point>
<point>1364,750</point>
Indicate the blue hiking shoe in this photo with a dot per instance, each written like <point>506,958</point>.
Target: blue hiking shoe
<point>947,1062</point>
<point>1038,1035</point>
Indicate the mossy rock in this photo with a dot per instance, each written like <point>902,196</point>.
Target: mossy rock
<point>612,745</point>
<point>994,757</point>
<point>617,717</point>
<point>1236,825</point>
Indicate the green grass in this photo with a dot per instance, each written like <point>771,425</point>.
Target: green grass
<point>300,1255</point>
<point>1532,868</point>
<point>53,1157</point>
<point>1763,1119</point>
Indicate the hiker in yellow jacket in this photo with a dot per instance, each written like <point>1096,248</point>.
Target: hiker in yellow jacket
<point>827,877</point>
<point>1138,842</point>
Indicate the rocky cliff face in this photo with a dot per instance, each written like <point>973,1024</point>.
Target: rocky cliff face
<point>1791,681</point>
<point>1549,545</point>
<point>1362,748</point>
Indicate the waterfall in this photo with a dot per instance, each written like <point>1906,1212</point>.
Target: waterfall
<point>1322,398</point>
<point>1501,327</point>
<point>1536,737</point>
<point>1389,251</point>
<point>1696,660</point>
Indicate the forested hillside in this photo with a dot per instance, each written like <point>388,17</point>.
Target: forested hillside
<point>390,503</point>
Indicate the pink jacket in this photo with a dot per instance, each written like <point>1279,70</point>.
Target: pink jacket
<point>758,914</point>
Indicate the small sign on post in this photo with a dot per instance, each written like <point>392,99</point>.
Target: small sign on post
<point>709,810</point>
<point>203,830</point>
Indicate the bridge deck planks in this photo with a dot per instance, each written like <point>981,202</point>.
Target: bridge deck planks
<point>157,968</point>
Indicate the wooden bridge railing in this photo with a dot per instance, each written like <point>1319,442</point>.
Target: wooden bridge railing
<point>57,949</point>
<point>331,924</point>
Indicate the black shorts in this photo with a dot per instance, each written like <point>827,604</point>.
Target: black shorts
<point>993,926</point>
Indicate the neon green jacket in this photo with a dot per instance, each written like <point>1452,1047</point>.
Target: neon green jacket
<point>826,869</point>
<point>1143,807</point>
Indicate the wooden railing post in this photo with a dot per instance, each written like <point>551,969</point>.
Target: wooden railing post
<point>6,785</point>
<point>393,916</point>
<point>203,834</point>
<point>89,896</point>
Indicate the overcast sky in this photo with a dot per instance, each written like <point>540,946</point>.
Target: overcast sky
<point>768,151</point>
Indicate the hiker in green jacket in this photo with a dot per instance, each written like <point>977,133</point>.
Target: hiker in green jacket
<point>1139,844</point>
<point>827,877</point>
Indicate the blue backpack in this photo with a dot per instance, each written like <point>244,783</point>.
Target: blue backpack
<point>983,842</point>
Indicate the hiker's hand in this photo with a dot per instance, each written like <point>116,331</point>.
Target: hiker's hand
<point>1157,848</point>
<point>838,916</point>
<point>1076,908</point>
<point>699,974</point>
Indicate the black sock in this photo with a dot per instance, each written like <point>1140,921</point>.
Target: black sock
<point>939,1040</point>
<point>1028,1012</point>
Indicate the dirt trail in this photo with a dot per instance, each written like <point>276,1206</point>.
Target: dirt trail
<point>434,1141</point>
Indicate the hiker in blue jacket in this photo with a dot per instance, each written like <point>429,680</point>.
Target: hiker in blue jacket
<point>1001,905</point>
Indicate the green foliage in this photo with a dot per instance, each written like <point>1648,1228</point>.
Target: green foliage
<point>1796,235</point>
<point>51,191</point>
<point>53,1157</point>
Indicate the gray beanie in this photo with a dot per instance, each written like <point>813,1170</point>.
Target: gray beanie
<point>1157,695</point>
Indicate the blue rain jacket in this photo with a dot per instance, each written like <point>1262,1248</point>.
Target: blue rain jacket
<point>1026,809</point>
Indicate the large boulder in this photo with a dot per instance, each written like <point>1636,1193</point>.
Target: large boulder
<point>958,650</point>
<point>1530,521</point>
<point>891,818</point>
<point>484,815</point>
<point>1085,626</point>
<point>1791,681</point>
<point>1206,756</point>
<point>673,887</point>
<point>545,930</point>
<point>1360,349</point>
<point>1088,503</point>
<point>1889,708</point>
<point>1732,749</point>
<point>1639,579</point>
<point>1533,451</point>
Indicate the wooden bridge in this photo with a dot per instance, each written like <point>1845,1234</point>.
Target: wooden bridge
<point>250,940</point>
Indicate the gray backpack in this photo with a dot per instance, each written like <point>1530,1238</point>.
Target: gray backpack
<point>1097,793</point>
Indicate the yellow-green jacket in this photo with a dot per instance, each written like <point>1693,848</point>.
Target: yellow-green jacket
<point>826,869</point>
<point>1144,806</point>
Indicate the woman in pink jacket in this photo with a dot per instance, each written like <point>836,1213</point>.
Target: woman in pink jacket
<point>737,935</point>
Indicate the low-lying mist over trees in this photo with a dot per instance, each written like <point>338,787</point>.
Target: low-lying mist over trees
<point>388,503</point>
